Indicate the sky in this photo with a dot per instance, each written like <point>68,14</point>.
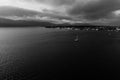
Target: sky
<point>94,11</point>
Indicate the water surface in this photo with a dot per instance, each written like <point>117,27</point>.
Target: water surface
<point>48,53</point>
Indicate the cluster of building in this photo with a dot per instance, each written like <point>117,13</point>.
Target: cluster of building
<point>96,28</point>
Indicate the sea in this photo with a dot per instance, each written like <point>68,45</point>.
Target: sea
<point>38,53</point>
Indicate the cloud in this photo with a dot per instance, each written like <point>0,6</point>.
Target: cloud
<point>100,9</point>
<point>90,9</point>
<point>52,2</point>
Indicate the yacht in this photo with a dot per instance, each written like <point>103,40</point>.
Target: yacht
<point>76,39</point>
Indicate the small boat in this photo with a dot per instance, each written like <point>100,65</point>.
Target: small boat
<point>76,39</point>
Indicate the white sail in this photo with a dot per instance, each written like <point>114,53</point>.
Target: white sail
<point>76,39</point>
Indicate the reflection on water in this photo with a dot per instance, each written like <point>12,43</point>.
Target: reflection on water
<point>40,53</point>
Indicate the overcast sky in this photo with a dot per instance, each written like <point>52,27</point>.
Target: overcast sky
<point>90,10</point>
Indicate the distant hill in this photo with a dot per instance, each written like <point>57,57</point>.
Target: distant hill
<point>24,23</point>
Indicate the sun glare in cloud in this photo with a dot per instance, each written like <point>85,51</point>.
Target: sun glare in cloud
<point>117,13</point>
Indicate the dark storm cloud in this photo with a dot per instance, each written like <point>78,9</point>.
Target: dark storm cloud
<point>100,9</point>
<point>90,9</point>
<point>80,9</point>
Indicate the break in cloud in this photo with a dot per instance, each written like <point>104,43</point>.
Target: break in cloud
<point>77,9</point>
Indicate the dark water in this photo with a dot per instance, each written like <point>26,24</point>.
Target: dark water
<point>52,54</point>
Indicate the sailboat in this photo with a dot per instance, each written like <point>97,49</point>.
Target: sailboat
<point>76,39</point>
